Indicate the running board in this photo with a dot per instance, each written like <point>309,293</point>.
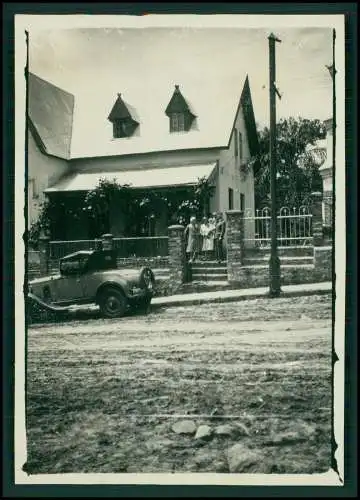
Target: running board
<point>49,307</point>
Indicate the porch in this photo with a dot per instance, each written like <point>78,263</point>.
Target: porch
<point>129,204</point>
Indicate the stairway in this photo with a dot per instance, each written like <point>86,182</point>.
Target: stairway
<point>300,257</point>
<point>211,275</point>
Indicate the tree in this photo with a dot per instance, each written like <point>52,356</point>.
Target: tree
<point>52,214</point>
<point>99,202</point>
<point>298,173</point>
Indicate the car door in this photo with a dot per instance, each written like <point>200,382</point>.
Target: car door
<point>69,287</point>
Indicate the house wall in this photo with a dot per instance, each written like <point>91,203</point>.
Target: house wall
<point>230,176</point>
<point>43,171</point>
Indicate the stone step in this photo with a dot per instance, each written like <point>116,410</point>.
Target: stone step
<point>286,266</point>
<point>294,260</point>
<point>208,263</point>
<point>209,270</point>
<point>207,286</point>
<point>209,277</point>
<point>286,251</point>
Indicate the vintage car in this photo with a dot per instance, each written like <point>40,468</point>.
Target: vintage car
<point>93,277</point>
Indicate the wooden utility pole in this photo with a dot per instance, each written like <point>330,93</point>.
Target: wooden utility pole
<point>274,264</point>
<point>334,125</point>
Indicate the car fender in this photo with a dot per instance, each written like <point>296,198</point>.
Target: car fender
<point>38,287</point>
<point>119,284</point>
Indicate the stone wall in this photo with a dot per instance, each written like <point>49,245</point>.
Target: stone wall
<point>178,267</point>
<point>252,277</point>
<point>234,242</point>
<point>317,218</point>
<point>323,263</point>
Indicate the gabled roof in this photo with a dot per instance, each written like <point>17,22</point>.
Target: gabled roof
<point>177,103</point>
<point>249,118</point>
<point>50,116</point>
<point>214,102</point>
<point>121,111</point>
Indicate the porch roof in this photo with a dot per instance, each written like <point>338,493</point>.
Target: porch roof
<point>183,175</point>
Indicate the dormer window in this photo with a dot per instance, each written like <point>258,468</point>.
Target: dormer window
<point>177,122</point>
<point>122,117</point>
<point>123,128</point>
<point>179,113</point>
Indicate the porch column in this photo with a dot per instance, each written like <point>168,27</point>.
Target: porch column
<point>234,242</point>
<point>44,254</point>
<point>317,219</point>
<point>177,255</point>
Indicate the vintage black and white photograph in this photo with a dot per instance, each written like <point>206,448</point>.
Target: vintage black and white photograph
<point>179,311</point>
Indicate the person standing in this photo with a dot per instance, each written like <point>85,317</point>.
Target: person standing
<point>191,236</point>
<point>204,231</point>
<point>211,235</point>
<point>219,237</point>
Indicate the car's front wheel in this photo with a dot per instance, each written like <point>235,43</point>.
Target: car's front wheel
<point>112,303</point>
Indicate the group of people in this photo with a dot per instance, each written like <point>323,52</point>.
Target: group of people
<point>205,239</point>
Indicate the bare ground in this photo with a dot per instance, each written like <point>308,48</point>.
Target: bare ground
<point>103,395</point>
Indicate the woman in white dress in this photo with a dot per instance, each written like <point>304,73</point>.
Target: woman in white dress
<point>207,241</point>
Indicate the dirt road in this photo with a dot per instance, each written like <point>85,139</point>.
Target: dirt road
<point>104,395</point>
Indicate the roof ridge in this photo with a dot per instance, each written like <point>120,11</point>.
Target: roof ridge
<point>52,84</point>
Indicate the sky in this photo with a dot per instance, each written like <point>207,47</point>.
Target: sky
<point>84,61</point>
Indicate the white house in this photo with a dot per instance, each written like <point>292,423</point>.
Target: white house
<point>155,139</point>
<point>324,155</point>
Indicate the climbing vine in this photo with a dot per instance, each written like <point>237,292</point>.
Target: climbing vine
<point>137,208</point>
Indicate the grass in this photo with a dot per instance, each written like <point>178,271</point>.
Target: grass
<point>104,394</point>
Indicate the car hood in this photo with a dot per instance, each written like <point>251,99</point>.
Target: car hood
<point>44,279</point>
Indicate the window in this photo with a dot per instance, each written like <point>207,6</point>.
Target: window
<point>240,146</point>
<point>73,266</point>
<point>33,193</point>
<point>177,122</point>
<point>236,141</point>
<point>123,128</point>
<point>231,198</point>
<point>242,202</point>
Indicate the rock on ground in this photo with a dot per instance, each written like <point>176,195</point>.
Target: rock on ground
<point>230,430</point>
<point>184,427</point>
<point>225,430</point>
<point>300,432</point>
<point>204,432</point>
<point>243,460</point>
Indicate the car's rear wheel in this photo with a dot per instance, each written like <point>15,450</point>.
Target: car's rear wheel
<point>112,303</point>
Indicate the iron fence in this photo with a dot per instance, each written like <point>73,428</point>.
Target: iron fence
<point>294,226</point>
<point>152,246</point>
